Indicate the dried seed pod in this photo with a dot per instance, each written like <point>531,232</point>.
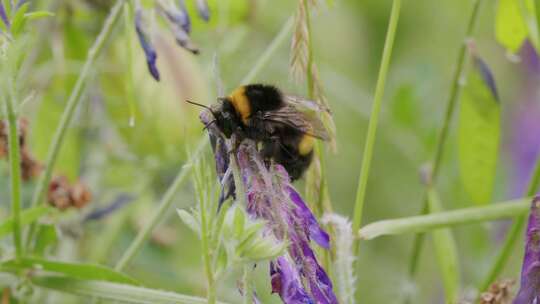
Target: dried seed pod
<point>59,192</point>
<point>30,167</point>
<point>498,293</point>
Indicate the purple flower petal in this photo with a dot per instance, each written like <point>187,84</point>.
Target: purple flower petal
<point>315,231</point>
<point>149,51</point>
<point>529,291</point>
<point>287,283</point>
<point>3,15</point>
<point>202,8</point>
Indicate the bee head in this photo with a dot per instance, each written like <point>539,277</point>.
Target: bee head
<point>223,116</point>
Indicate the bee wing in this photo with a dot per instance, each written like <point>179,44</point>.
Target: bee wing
<point>305,122</point>
<point>304,105</point>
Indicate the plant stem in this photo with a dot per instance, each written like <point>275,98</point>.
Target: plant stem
<point>164,205</point>
<point>15,169</point>
<point>247,284</point>
<point>207,259</point>
<point>455,92</point>
<point>513,234</point>
<point>373,121</point>
<point>429,222</point>
<point>72,103</point>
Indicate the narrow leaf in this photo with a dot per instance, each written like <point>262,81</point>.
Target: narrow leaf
<point>424,223</point>
<point>446,252</point>
<point>510,27</point>
<point>19,20</point>
<point>38,14</point>
<point>114,291</point>
<point>479,128</point>
<point>27,216</point>
<point>73,270</point>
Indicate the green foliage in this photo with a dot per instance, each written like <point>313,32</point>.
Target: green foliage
<point>510,28</point>
<point>446,253</point>
<point>28,216</point>
<point>73,270</point>
<point>479,132</point>
<point>424,223</point>
<point>113,291</point>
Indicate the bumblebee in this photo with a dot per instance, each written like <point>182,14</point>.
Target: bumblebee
<point>286,126</point>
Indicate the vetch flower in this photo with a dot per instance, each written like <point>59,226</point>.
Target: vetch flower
<point>529,291</point>
<point>296,276</point>
<point>179,22</point>
<point>271,196</point>
<point>148,48</point>
<point>4,16</point>
<point>202,8</point>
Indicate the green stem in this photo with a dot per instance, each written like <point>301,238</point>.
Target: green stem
<point>429,222</point>
<point>15,170</point>
<point>372,127</point>
<point>246,281</point>
<point>167,199</point>
<point>207,259</point>
<point>513,234</point>
<point>164,205</point>
<point>72,103</point>
<point>455,92</point>
<point>309,64</point>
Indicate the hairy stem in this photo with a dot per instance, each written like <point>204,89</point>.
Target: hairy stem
<point>205,247</point>
<point>513,234</point>
<point>374,118</point>
<point>72,103</point>
<point>15,169</point>
<point>246,281</point>
<point>455,92</point>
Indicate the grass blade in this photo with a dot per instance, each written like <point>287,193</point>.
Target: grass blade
<point>429,222</point>
<point>73,270</point>
<point>114,291</point>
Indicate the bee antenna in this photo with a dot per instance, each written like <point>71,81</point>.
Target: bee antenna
<point>198,104</point>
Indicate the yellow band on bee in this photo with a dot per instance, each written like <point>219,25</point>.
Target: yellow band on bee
<point>241,103</point>
<point>306,144</point>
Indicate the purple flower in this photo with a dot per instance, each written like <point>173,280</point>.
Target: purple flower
<point>3,15</point>
<point>287,283</point>
<point>148,48</point>
<point>529,291</point>
<point>202,8</point>
<point>523,141</point>
<point>297,276</point>
<point>179,22</point>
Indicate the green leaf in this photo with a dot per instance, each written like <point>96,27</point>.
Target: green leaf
<point>18,21</point>
<point>189,220</point>
<point>446,252</point>
<point>27,216</point>
<point>479,128</point>
<point>38,14</point>
<point>114,291</point>
<point>510,27</point>
<point>425,223</point>
<point>73,270</point>
<point>46,237</point>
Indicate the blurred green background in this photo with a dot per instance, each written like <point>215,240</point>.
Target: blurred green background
<point>117,158</point>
